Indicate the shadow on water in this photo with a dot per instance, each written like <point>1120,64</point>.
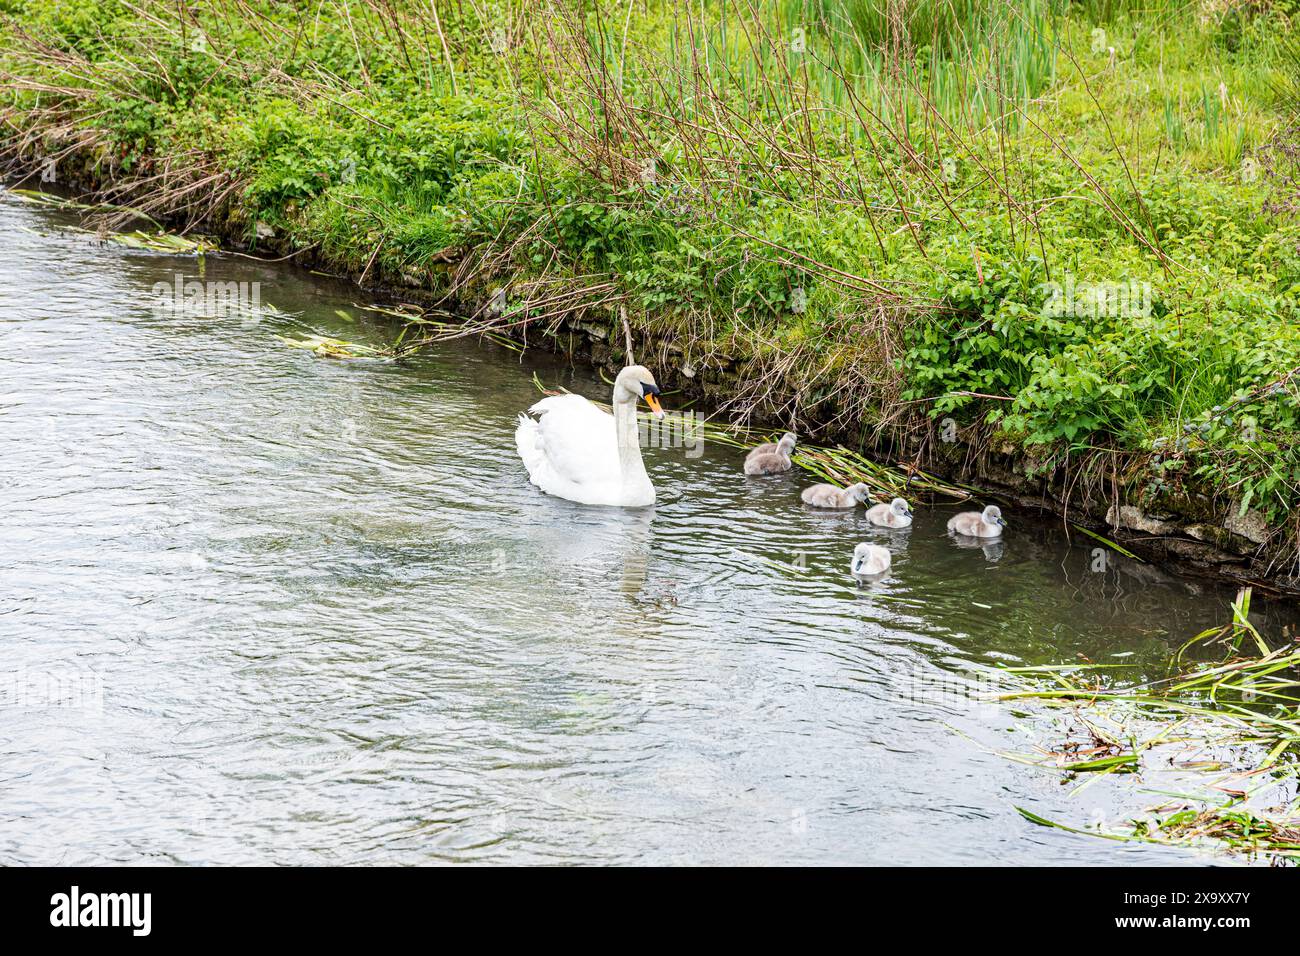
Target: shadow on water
<point>260,606</point>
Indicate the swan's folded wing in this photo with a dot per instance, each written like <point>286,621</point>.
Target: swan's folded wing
<point>577,439</point>
<point>561,403</point>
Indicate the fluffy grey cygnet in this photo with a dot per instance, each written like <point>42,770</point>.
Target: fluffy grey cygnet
<point>896,514</point>
<point>976,524</point>
<point>870,560</point>
<point>828,496</point>
<point>771,459</point>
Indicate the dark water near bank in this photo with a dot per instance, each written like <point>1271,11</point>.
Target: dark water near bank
<point>257,606</point>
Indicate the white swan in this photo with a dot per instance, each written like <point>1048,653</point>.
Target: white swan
<point>575,450</point>
<point>828,496</point>
<point>870,560</point>
<point>896,514</point>
<point>974,524</point>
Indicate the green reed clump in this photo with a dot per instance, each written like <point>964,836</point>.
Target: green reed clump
<point>946,24</point>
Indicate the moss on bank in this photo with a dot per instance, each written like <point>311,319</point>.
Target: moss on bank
<point>1059,233</point>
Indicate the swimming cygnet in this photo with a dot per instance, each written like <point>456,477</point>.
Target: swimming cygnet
<point>896,514</point>
<point>828,496</point>
<point>870,560</point>
<point>771,459</point>
<point>989,524</point>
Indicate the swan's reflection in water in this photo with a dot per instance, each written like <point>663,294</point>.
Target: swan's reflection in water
<point>634,543</point>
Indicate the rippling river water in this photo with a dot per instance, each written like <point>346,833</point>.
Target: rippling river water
<point>261,607</point>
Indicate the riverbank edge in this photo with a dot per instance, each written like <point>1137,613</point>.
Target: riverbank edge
<point>1197,533</point>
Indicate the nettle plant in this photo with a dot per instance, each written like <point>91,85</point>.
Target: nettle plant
<point>991,334</point>
<point>1202,391</point>
<point>290,153</point>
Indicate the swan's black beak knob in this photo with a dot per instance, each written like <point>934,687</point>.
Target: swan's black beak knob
<point>651,395</point>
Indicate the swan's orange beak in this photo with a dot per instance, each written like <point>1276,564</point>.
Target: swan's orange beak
<point>653,402</point>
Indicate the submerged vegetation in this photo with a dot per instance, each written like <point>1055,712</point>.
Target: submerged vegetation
<point>1065,227</point>
<point>1216,744</point>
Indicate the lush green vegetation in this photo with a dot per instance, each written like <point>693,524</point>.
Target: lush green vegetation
<point>1068,225</point>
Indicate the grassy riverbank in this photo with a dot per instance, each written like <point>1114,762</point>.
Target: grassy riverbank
<point>1061,228</point>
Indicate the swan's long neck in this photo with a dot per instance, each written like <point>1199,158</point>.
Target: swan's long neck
<point>630,464</point>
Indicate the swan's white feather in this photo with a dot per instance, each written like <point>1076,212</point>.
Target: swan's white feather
<point>571,451</point>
